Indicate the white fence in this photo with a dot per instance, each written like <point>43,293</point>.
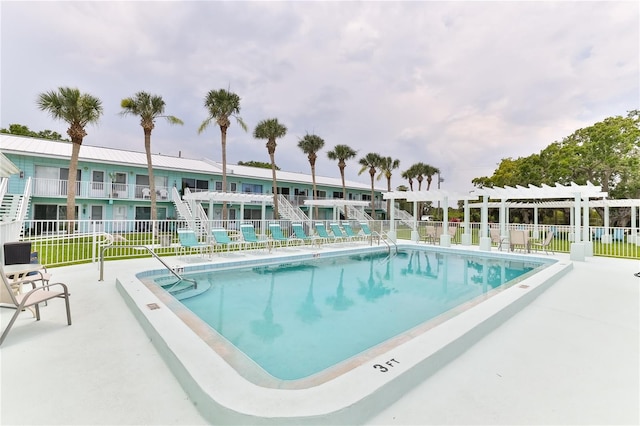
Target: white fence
<point>56,245</point>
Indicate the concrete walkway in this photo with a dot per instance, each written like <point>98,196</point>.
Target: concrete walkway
<point>571,357</point>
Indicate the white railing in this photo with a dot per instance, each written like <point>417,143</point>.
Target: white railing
<point>105,190</point>
<point>57,246</point>
<point>289,211</point>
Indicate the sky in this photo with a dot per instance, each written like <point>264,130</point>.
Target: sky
<point>458,85</point>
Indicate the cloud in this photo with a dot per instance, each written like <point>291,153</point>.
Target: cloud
<point>459,85</point>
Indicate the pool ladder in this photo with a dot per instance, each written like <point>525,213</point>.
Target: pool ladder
<point>385,239</point>
<point>154,254</point>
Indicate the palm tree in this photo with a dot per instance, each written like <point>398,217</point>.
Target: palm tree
<point>387,165</point>
<point>409,175</point>
<point>76,109</point>
<point>421,170</point>
<point>270,130</point>
<point>429,172</point>
<point>221,105</point>
<point>148,108</point>
<point>310,145</point>
<point>371,161</point>
<point>342,153</point>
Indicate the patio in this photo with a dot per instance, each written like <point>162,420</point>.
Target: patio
<point>571,356</point>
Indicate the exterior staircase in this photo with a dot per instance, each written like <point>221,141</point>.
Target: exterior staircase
<point>403,217</point>
<point>286,210</point>
<point>355,214</point>
<point>13,212</point>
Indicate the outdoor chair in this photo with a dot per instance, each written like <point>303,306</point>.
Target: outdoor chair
<point>323,233</point>
<point>189,242</point>
<point>146,193</point>
<point>496,238</point>
<point>430,234</point>
<point>351,233</point>
<point>221,239</point>
<point>337,232</point>
<point>453,232</point>
<point>298,231</point>
<point>251,239</point>
<point>369,233</point>
<point>19,300</point>
<point>519,239</point>
<point>278,237</point>
<point>545,244</point>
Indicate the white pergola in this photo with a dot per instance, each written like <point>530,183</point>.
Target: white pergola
<point>579,194</point>
<point>335,203</point>
<point>213,197</point>
<point>445,198</point>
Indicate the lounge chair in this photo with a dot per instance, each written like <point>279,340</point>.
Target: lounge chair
<point>351,233</point>
<point>337,232</point>
<point>519,239</point>
<point>452,230</point>
<point>251,239</point>
<point>496,238</point>
<point>323,233</point>
<point>298,231</point>
<point>278,237</point>
<point>32,298</point>
<point>189,241</point>
<point>545,244</point>
<point>222,239</point>
<point>369,233</point>
<point>430,234</point>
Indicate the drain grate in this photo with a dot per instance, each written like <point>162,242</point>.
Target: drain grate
<point>153,306</point>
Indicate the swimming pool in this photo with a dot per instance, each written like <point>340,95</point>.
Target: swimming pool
<point>350,393</point>
<point>297,319</point>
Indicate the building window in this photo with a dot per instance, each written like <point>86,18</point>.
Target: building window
<point>218,186</point>
<point>249,188</point>
<point>337,194</point>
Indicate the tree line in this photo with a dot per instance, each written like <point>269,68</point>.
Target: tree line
<point>79,109</point>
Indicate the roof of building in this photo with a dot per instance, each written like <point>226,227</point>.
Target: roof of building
<point>20,145</point>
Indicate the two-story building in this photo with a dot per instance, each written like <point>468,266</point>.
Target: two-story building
<point>113,184</point>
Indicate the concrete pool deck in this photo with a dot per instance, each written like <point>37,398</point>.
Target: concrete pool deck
<point>569,357</point>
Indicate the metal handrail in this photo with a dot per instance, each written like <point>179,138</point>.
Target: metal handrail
<point>154,254</point>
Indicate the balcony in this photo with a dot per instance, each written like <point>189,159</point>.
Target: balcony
<point>98,190</point>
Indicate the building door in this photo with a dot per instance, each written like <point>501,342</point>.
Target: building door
<point>97,217</point>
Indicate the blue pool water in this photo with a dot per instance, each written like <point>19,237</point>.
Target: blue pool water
<point>297,319</point>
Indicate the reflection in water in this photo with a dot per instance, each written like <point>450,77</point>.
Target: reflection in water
<point>340,302</point>
<point>308,311</point>
<point>372,290</point>
<point>265,327</point>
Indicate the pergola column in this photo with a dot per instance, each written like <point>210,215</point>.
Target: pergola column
<point>445,238</point>
<point>466,236</point>
<point>536,231</point>
<point>605,238</point>
<point>586,230</point>
<point>485,239</point>
<point>415,236</point>
<point>634,237</point>
<point>392,225</point>
<point>577,248</point>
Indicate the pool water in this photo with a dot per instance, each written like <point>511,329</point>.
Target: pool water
<point>297,319</point>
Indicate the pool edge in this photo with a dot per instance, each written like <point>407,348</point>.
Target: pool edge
<point>346,400</point>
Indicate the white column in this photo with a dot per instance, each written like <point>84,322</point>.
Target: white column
<point>485,239</point>
<point>586,231</point>
<point>466,236</point>
<point>606,238</point>
<point>536,231</point>
<point>415,236</point>
<point>634,238</point>
<point>392,225</point>
<point>445,238</point>
<point>577,248</point>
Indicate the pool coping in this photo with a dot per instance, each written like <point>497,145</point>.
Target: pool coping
<point>222,395</point>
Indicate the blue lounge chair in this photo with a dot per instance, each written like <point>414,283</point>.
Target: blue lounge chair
<point>322,232</point>
<point>222,239</point>
<point>251,239</point>
<point>189,241</point>
<point>298,231</point>
<point>351,233</point>
<point>337,232</point>
<point>278,237</point>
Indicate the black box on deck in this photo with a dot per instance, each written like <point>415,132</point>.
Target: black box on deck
<point>18,252</point>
